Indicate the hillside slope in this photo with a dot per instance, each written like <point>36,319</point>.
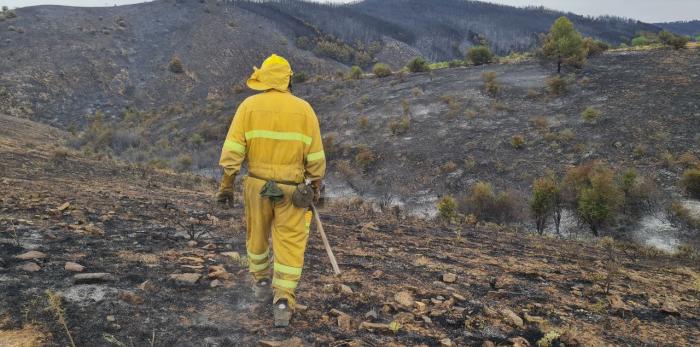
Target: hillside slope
<point>62,63</point>
<point>130,223</point>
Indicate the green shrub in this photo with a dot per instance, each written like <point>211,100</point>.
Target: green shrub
<point>690,181</point>
<point>5,8</point>
<point>517,141</point>
<point>401,126</point>
<point>381,70</point>
<point>487,205</point>
<point>591,114</point>
<point>673,40</point>
<point>640,194</point>
<point>558,85</point>
<point>447,208</point>
<point>299,77</point>
<point>175,65</point>
<point>418,64</point>
<point>334,50</point>
<point>591,189</point>
<point>594,47</point>
<point>355,73</point>
<point>10,14</point>
<point>491,85</point>
<point>455,63</point>
<point>480,55</point>
<point>640,41</point>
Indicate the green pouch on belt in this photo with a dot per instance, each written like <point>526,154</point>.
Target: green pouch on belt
<point>272,191</point>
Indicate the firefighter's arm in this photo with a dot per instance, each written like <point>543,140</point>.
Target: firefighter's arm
<point>234,149</point>
<point>315,158</point>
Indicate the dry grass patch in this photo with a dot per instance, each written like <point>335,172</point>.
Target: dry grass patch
<point>29,336</point>
<point>144,258</point>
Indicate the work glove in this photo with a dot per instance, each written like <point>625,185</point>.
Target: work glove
<point>225,194</point>
<point>317,187</point>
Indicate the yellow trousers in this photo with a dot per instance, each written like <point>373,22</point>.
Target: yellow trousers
<point>289,227</point>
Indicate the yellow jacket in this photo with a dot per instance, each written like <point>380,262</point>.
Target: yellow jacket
<point>279,135</point>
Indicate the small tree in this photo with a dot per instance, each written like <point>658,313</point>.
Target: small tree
<point>544,196</point>
<point>418,64</point>
<point>4,9</point>
<point>591,189</point>
<point>381,70</point>
<point>479,55</point>
<point>564,45</point>
<point>447,208</point>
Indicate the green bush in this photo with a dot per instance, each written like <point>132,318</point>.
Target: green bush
<point>480,55</point>
<point>381,70</point>
<point>640,41</point>
<point>594,47</point>
<point>447,208</point>
<point>455,63</point>
<point>486,205</point>
<point>691,182</point>
<point>591,114</point>
<point>418,64</point>
<point>10,14</point>
<point>175,65</point>
<point>592,191</point>
<point>299,77</point>
<point>355,73</point>
<point>673,40</point>
<point>334,50</point>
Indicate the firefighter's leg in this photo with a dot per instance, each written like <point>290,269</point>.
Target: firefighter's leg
<point>259,214</point>
<point>290,232</point>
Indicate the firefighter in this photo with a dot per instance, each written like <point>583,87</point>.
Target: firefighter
<point>279,135</point>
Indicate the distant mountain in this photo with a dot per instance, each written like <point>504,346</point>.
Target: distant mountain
<point>61,63</point>
<point>691,28</point>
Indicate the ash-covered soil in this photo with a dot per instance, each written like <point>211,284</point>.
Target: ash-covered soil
<point>457,133</point>
<point>437,285</point>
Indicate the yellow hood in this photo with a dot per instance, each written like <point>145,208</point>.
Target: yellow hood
<point>274,73</point>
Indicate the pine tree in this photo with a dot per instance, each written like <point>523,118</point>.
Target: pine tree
<point>564,44</point>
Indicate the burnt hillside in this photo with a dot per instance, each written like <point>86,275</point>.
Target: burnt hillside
<point>60,64</point>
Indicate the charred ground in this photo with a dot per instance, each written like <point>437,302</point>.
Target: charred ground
<point>131,222</point>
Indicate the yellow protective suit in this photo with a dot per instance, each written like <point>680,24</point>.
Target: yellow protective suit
<point>279,135</point>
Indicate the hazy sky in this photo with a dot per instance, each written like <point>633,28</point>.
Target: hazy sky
<point>645,10</point>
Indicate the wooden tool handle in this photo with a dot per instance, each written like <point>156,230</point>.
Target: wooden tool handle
<point>334,263</point>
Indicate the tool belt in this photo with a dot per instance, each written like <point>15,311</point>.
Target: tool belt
<point>302,197</point>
